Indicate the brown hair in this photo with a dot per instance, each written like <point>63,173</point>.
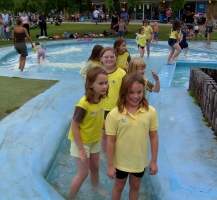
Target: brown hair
<point>37,43</point>
<point>127,82</point>
<point>95,54</point>
<point>19,21</point>
<point>140,29</point>
<point>91,78</point>
<point>135,64</point>
<point>118,43</point>
<point>176,25</point>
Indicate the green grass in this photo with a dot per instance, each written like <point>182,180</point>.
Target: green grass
<point>17,91</point>
<point>97,29</point>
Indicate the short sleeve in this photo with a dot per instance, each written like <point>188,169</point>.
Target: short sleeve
<point>154,120</point>
<point>149,85</point>
<point>111,124</point>
<point>79,114</point>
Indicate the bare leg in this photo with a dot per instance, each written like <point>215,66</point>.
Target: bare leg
<point>22,63</point>
<point>38,59</point>
<point>208,38</point>
<point>134,183</point>
<point>103,141</point>
<point>141,52</point>
<point>148,48</point>
<point>186,52</point>
<point>170,55</point>
<point>94,168</point>
<point>80,176</point>
<point>118,188</point>
<point>178,51</point>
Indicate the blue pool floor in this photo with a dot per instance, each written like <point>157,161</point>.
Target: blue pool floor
<point>31,135</point>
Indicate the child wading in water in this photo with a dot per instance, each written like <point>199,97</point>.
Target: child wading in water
<point>41,51</point>
<point>183,41</point>
<point>138,65</point>
<point>174,43</point>
<point>123,55</point>
<point>86,128</point>
<point>141,42</point>
<point>115,75</point>
<point>93,60</point>
<point>133,121</point>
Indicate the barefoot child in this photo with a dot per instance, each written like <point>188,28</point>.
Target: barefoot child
<point>123,55</point>
<point>156,31</point>
<point>41,51</point>
<point>183,41</point>
<point>86,128</point>
<point>129,126</point>
<point>141,41</point>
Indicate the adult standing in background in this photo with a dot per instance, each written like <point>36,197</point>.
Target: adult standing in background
<point>168,14</point>
<point>25,20</point>
<point>115,20</point>
<point>43,24</point>
<point>5,17</point>
<point>19,35</point>
<point>96,15</point>
<point>124,15</point>
<point>1,28</point>
<point>209,24</point>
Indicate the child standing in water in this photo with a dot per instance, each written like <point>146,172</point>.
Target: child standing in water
<point>156,31</point>
<point>108,58</point>
<point>93,60</point>
<point>133,121</point>
<point>122,28</point>
<point>174,42</point>
<point>86,128</point>
<point>141,42</point>
<point>183,41</point>
<point>41,51</point>
<point>149,34</point>
<point>123,55</point>
<point>138,65</point>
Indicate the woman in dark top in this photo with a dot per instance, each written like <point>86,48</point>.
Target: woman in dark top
<point>43,24</point>
<point>19,35</point>
<point>115,20</point>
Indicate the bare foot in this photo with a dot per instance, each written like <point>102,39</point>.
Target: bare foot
<point>185,55</point>
<point>173,62</point>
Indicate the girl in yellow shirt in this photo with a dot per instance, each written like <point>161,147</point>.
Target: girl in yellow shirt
<point>123,55</point>
<point>149,34</point>
<point>129,127</point>
<point>174,43</point>
<point>141,42</point>
<point>86,127</point>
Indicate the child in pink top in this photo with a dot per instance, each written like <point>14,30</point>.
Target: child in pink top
<point>155,36</point>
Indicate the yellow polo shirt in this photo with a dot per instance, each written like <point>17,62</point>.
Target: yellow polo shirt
<point>123,60</point>
<point>148,31</point>
<point>114,80</point>
<point>132,136</point>
<point>91,126</point>
<point>141,39</point>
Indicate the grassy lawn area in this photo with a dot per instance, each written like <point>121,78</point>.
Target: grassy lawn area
<point>17,91</point>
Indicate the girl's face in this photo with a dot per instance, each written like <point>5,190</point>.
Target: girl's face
<point>141,71</point>
<point>122,47</point>
<point>121,20</point>
<point>142,31</point>
<point>100,85</point>
<point>134,94</point>
<point>108,59</point>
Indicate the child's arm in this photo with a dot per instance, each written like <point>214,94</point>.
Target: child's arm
<point>77,137</point>
<point>137,39</point>
<point>116,25</point>
<point>84,70</point>
<point>156,87</point>
<point>181,38</point>
<point>43,46</point>
<point>153,168</point>
<point>110,149</point>
<point>126,27</point>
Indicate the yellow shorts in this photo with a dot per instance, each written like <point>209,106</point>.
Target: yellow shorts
<point>89,148</point>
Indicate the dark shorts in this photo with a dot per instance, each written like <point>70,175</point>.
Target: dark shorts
<point>183,46</point>
<point>172,41</point>
<point>190,27</point>
<point>121,33</point>
<point>21,49</point>
<point>106,113</point>
<point>155,34</point>
<point>209,29</point>
<point>196,31</point>
<point>121,174</point>
<point>141,46</point>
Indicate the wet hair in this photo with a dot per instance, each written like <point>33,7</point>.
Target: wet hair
<point>108,49</point>
<point>19,21</point>
<point>95,54</point>
<point>118,43</point>
<point>135,64</point>
<point>176,25</point>
<point>90,79</point>
<point>127,81</point>
<point>140,29</point>
<point>37,43</point>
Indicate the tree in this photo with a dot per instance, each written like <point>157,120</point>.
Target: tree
<point>177,5</point>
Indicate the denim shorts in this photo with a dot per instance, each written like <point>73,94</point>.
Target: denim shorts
<point>121,33</point>
<point>155,34</point>
<point>209,29</point>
